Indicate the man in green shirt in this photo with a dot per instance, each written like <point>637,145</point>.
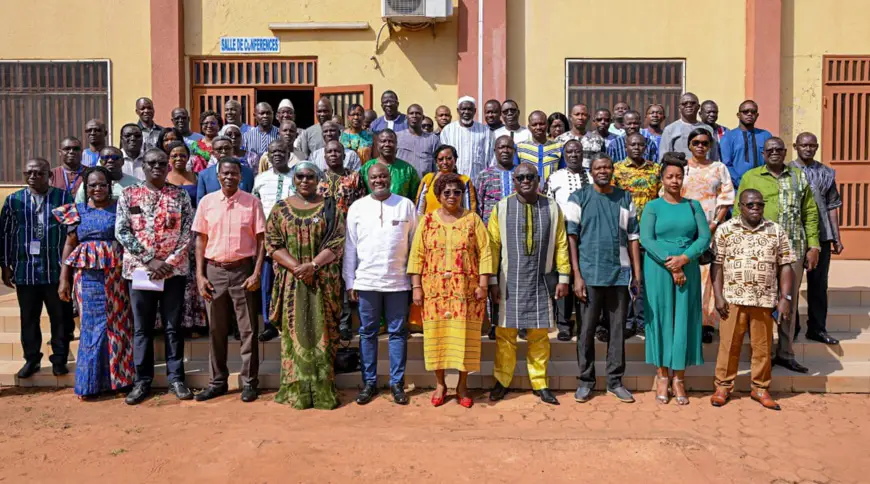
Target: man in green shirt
<point>405,179</point>
<point>789,202</point>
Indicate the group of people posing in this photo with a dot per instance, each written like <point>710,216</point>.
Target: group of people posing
<point>609,233</point>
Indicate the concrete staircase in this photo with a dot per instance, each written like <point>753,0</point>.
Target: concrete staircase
<point>843,368</point>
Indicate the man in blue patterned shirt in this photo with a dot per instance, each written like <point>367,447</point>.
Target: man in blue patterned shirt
<point>32,243</point>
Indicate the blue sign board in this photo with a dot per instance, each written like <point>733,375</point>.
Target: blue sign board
<point>250,45</point>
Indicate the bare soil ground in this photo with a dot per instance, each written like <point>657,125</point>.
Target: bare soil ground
<point>50,436</point>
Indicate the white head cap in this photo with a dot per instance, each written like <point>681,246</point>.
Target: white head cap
<point>285,103</point>
<point>466,99</point>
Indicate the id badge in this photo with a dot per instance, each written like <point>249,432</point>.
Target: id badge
<point>34,247</point>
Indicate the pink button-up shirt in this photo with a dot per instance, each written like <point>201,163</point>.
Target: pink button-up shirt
<point>231,223</point>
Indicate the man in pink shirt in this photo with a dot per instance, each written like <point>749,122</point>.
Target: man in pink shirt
<point>230,227</point>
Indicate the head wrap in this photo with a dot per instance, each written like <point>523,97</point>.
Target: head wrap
<point>307,165</point>
<point>466,99</point>
<point>227,127</point>
<point>286,103</point>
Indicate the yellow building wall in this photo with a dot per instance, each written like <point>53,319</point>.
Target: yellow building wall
<point>118,30</point>
<point>419,67</point>
<point>810,30</point>
<point>541,39</point>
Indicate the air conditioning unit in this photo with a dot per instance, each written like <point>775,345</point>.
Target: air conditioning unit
<point>416,10</point>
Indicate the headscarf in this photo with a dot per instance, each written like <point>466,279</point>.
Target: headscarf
<point>227,127</point>
<point>286,103</point>
<point>307,165</point>
<point>466,99</point>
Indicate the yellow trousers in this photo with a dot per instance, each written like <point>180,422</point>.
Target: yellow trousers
<point>537,357</point>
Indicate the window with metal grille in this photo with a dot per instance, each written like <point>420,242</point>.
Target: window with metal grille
<point>42,102</point>
<point>601,83</point>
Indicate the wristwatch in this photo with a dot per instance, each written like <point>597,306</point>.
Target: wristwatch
<point>315,265</point>
<point>787,297</point>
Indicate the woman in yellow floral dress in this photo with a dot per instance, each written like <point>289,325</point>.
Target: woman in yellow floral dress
<point>450,264</point>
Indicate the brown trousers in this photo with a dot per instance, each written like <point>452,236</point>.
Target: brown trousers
<point>231,298</point>
<point>759,322</point>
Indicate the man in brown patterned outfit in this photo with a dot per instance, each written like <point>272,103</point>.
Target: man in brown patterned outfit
<point>752,259</point>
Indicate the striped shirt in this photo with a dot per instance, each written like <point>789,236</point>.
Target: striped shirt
<point>90,158</point>
<point>474,144</point>
<point>822,180</point>
<point>382,123</point>
<point>27,223</point>
<point>618,150</point>
<point>547,157</point>
<point>351,159</point>
<point>419,151</point>
<point>592,143</point>
<point>491,186</point>
<point>257,140</point>
<point>655,138</point>
<point>149,135</point>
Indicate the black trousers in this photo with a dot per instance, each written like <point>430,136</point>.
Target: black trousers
<point>613,301</point>
<point>145,307</point>
<point>60,314</point>
<point>565,307</point>
<point>817,293</point>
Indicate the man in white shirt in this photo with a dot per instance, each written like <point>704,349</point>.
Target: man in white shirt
<point>473,141</point>
<point>270,187</point>
<point>380,228</point>
<point>510,112</point>
<point>131,148</point>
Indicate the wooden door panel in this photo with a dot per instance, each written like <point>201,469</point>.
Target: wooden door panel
<point>214,98</point>
<point>343,96</point>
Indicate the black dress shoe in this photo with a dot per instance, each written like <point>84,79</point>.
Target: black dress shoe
<point>59,369</point>
<point>137,395</point>
<point>791,365</point>
<point>180,390</point>
<point>491,334</point>
<point>628,333</point>
<point>546,396</point>
<point>602,334</point>
<point>399,395</point>
<point>367,394</point>
<point>268,334</point>
<point>28,369</point>
<point>707,334</point>
<point>640,331</point>
<point>523,334</point>
<point>249,393</point>
<point>209,393</point>
<point>345,334</point>
<point>823,337</point>
<point>498,392</point>
<point>564,335</point>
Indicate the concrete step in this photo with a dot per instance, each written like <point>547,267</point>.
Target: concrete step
<point>851,377</point>
<point>852,347</point>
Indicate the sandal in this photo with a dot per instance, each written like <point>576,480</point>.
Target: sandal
<point>662,397</point>
<point>681,399</point>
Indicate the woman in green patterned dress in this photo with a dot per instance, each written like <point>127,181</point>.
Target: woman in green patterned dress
<point>305,238</point>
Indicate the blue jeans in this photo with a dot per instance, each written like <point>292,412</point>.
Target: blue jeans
<point>267,277</point>
<point>393,306</point>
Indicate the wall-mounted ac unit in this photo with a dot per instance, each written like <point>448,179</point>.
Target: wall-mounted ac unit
<point>416,10</point>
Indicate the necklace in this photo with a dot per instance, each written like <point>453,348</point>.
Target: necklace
<point>306,200</point>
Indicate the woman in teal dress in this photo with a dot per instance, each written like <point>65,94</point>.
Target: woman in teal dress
<point>674,233</point>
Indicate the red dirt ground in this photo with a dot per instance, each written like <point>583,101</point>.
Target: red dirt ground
<point>50,436</point>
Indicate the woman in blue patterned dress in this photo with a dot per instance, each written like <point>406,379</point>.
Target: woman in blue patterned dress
<point>105,357</point>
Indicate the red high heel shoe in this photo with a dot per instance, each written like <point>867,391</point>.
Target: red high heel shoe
<point>466,402</point>
<point>438,401</point>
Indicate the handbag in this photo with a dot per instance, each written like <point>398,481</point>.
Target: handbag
<point>347,359</point>
<point>706,257</point>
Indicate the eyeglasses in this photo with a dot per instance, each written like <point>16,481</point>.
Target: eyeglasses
<point>71,148</point>
<point>753,205</point>
<point>775,150</point>
<point>700,143</point>
<point>209,123</point>
<point>525,177</point>
<point>35,173</point>
<point>689,103</point>
<point>98,185</point>
<point>748,111</point>
<point>110,158</point>
<point>509,110</point>
<point>157,164</point>
<point>302,177</point>
<point>451,193</point>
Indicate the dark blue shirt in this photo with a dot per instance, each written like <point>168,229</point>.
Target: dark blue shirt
<point>399,124</point>
<point>741,151</point>
<point>21,228</point>
<point>207,181</point>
